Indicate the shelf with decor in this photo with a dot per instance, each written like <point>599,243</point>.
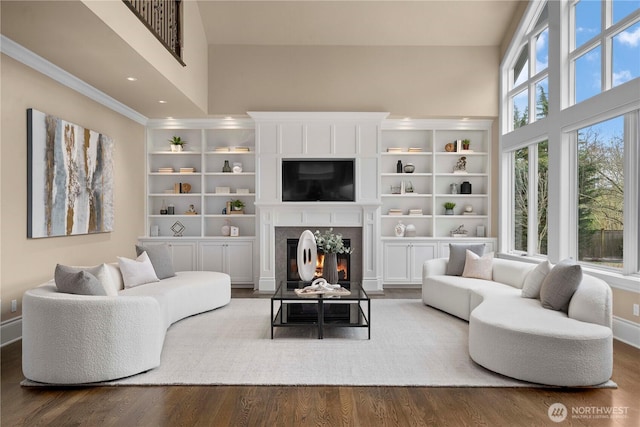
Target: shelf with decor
<point>435,149</point>
<point>192,179</point>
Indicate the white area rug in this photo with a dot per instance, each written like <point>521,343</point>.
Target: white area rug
<point>411,345</point>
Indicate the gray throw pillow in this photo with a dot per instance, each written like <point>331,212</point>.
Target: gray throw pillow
<point>77,281</point>
<point>160,257</point>
<point>458,255</point>
<point>560,285</point>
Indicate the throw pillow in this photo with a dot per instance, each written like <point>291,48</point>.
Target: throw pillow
<point>137,271</point>
<point>160,257</point>
<point>73,280</point>
<point>560,285</point>
<point>533,281</point>
<point>479,267</point>
<point>458,254</point>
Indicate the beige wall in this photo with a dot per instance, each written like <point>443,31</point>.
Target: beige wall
<point>406,81</point>
<point>623,304</point>
<point>26,262</point>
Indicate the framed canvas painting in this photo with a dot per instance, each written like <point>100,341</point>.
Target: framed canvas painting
<point>70,178</point>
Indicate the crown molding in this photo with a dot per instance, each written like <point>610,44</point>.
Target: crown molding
<point>38,63</point>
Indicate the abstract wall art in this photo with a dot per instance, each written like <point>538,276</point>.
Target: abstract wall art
<point>70,178</point>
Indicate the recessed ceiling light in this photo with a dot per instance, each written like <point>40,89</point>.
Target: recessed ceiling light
<point>131,79</point>
<point>162,101</point>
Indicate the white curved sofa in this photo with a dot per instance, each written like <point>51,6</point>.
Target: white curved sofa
<point>516,336</point>
<point>77,339</point>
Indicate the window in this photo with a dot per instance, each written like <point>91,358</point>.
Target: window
<point>529,84</point>
<point>605,47</point>
<point>570,136</point>
<point>601,193</point>
<point>530,198</point>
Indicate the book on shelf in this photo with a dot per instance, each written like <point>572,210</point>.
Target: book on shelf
<point>242,149</point>
<point>415,211</point>
<point>221,149</point>
<point>394,150</point>
<point>187,170</point>
<point>415,150</point>
<point>395,211</point>
<point>165,170</point>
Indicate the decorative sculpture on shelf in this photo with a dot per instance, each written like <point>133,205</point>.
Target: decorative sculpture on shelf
<point>459,232</point>
<point>461,165</point>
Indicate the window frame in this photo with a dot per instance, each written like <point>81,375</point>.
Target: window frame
<point>559,128</point>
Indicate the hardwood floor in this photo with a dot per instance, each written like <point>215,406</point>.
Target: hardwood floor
<point>327,406</point>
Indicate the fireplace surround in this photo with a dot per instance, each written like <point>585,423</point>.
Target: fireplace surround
<point>286,241</point>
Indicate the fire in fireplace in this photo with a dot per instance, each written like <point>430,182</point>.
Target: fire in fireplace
<point>344,262</point>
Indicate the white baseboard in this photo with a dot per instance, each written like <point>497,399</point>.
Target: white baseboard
<point>10,331</point>
<point>626,331</point>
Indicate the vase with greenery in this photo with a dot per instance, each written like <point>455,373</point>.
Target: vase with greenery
<point>177,143</point>
<point>448,208</point>
<point>465,144</point>
<point>331,244</point>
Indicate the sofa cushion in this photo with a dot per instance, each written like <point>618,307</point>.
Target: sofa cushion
<point>533,282</point>
<point>72,280</point>
<point>160,257</point>
<point>560,285</point>
<point>137,271</point>
<point>458,254</point>
<point>479,267</point>
<point>68,280</point>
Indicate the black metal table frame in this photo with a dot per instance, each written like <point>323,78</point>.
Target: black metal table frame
<point>320,300</point>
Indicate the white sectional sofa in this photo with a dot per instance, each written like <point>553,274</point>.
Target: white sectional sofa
<point>516,336</point>
<point>77,339</point>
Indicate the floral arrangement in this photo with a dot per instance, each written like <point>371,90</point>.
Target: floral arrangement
<point>330,242</point>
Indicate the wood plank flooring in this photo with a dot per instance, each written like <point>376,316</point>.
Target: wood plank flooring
<point>315,406</point>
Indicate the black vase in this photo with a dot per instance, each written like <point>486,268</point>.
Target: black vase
<point>465,188</point>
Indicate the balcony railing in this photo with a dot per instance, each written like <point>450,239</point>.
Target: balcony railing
<point>162,18</point>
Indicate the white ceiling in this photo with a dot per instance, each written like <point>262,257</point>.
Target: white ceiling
<point>358,23</point>
<point>89,50</point>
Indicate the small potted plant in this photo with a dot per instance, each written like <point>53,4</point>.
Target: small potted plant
<point>177,144</point>
<point>237,206</point>
<point>465,144</point>
<point>448,206</point>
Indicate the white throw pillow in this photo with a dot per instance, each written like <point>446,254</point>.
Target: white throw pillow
<point>137,271</point>
<point>533,281</point>
<point>478,267</point>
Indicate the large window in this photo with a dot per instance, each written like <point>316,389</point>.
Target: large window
<point>530,199</point>
<point>570,144</point>
<point>528,82</point>
<point>601,193</point>
<point>605,45</point>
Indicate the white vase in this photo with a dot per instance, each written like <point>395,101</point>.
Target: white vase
<point>176,148</point>
<point>399,229</point>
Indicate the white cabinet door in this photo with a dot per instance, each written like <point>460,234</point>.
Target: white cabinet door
<point>212,256</point>
<point>420,252</point>
<point>184,256</point>
<point>396,263</point>
<point>403,261</point>
<point>239,257</point>
<point>233,258</point>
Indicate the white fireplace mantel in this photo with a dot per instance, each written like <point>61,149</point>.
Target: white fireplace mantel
<point>322,135</point>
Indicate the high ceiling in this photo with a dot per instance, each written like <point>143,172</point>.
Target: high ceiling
<point>89,50</point>
<point>358,23</point>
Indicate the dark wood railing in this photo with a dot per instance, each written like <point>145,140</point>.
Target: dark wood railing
<point>162,18</point>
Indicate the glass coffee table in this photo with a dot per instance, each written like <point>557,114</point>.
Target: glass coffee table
<point>323,311</point>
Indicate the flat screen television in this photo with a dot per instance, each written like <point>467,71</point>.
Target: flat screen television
<point>318,180</point>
